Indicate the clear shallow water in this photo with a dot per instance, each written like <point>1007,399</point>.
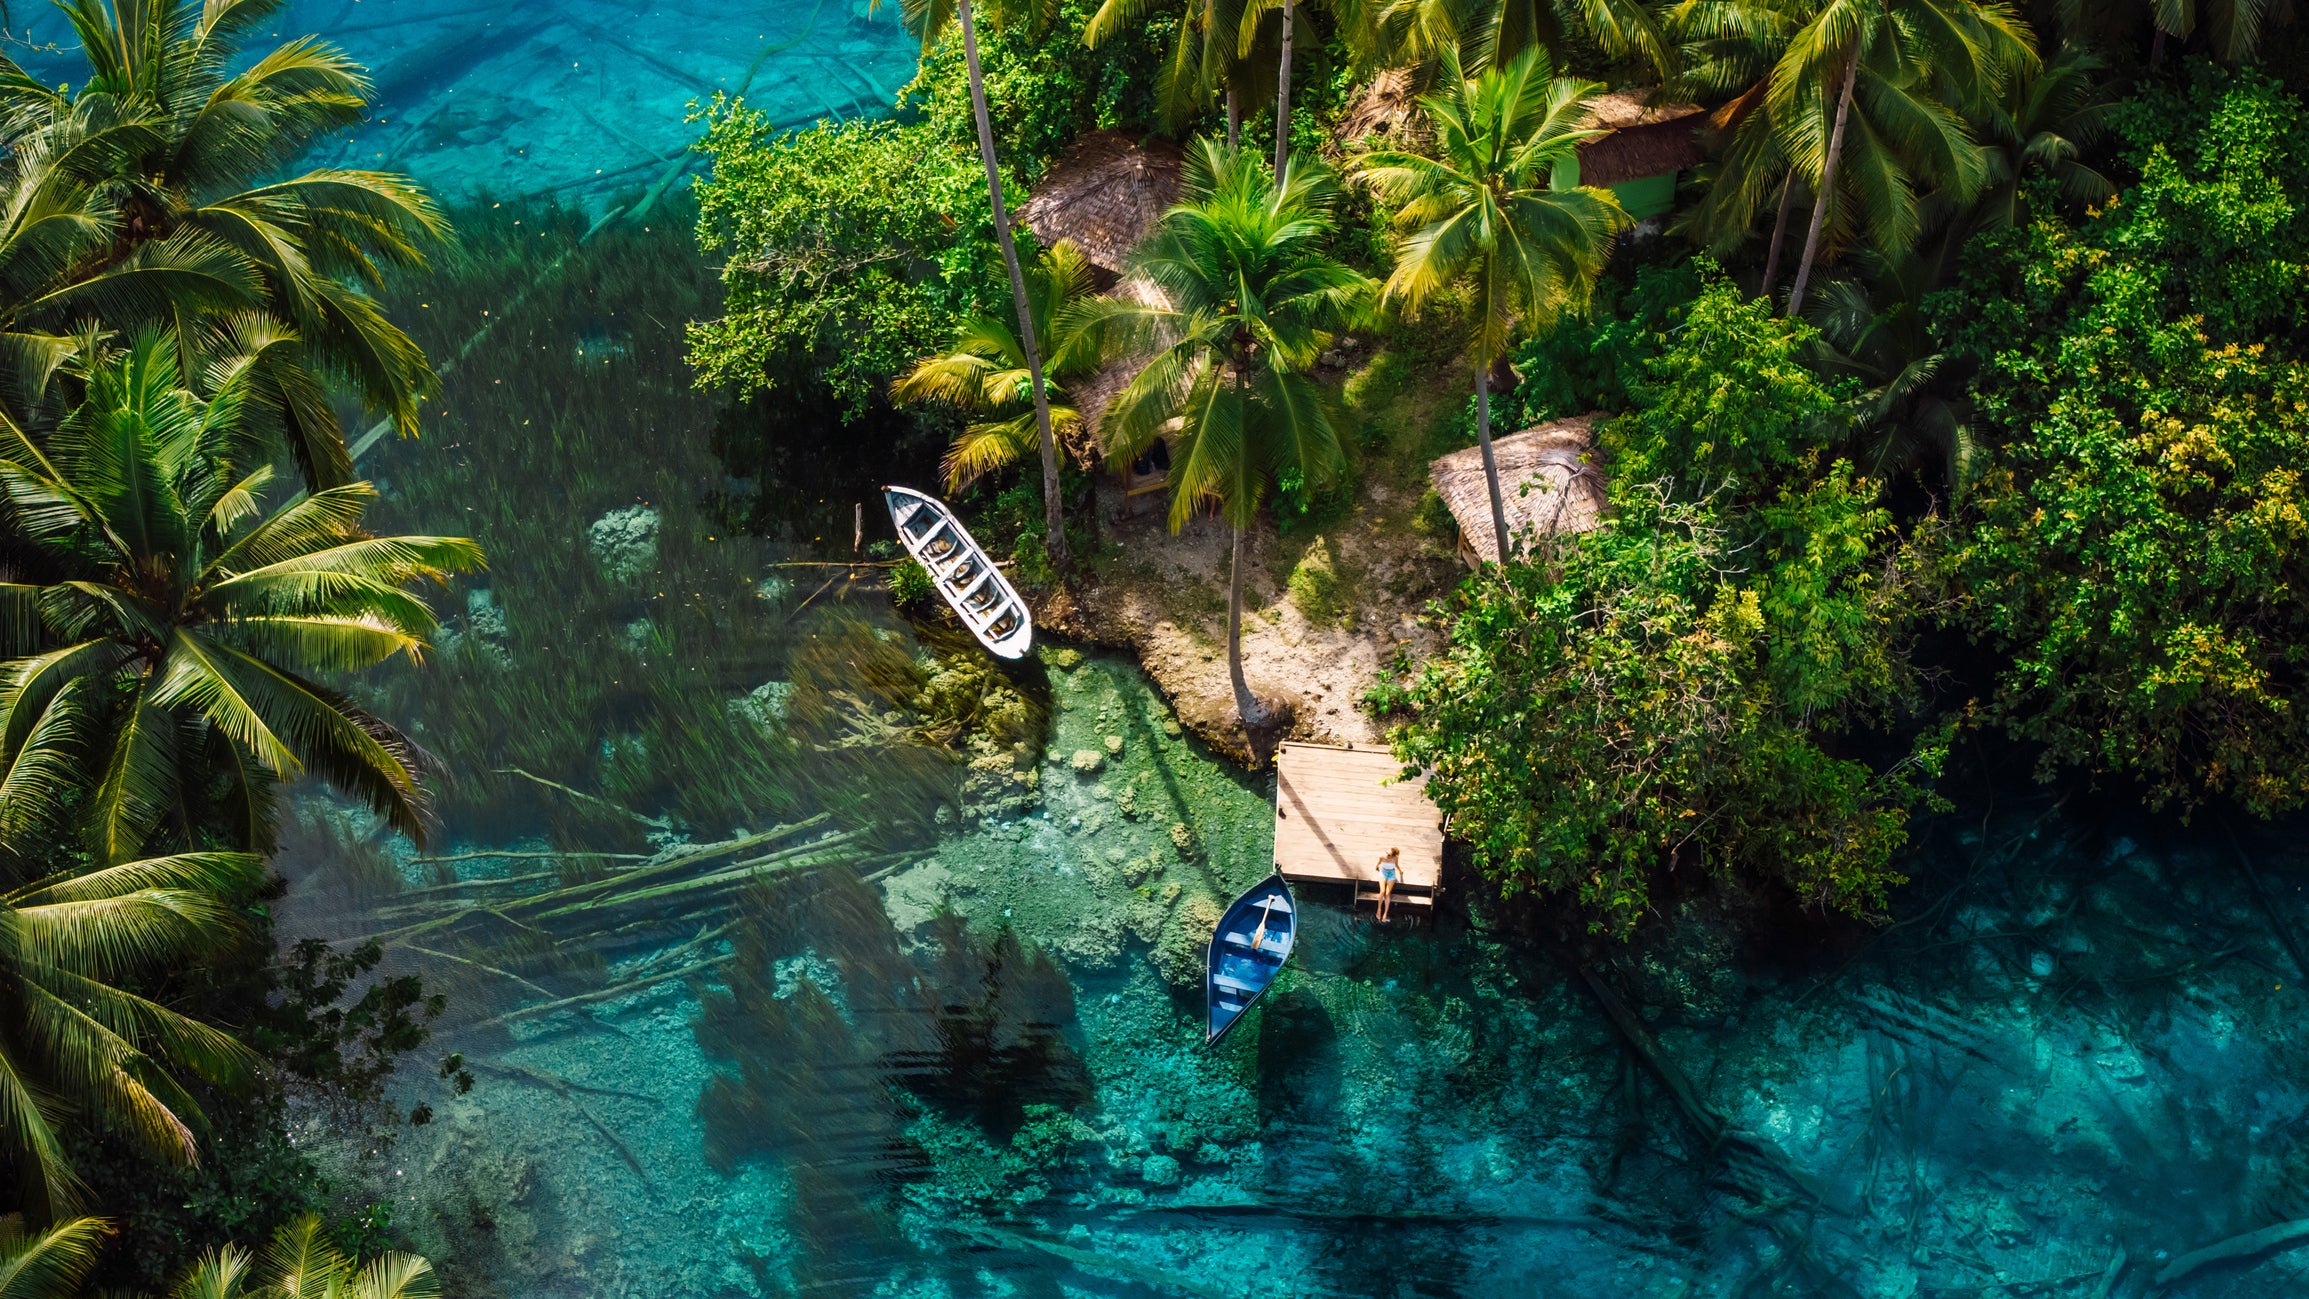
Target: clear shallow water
<point>2074,1057</point>
<point>574,98</point>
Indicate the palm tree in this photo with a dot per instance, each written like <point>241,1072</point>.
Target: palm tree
<point>1903,148</point>
<point>301,1263</point>
<point>1909,411</point>
<point>1246,300</point>
<point>985,374</point>
<point>1957,48</point>
<point>60,263</point>
<point>2233,28</point>
<point>73,1041</point>
<point>1483,212</point>
<point>2042,120</point>
<point>928,19</point>
<point>1483,34</point>
<point>215,130</point>
<point>1220,48</point>
<point>192,637</point>
<point>47,1264</point>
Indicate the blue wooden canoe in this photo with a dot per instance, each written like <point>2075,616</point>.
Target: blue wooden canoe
<point>1244,960</point>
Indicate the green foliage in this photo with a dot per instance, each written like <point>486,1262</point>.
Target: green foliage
<point>911,587</point>
<point>189,139</point>
<point>349,1050</point>
<point>1044,87</point>
<point>2139,543</point>
<point>74,1029</point>
<point>1595,359</point>
<point>1253,297</point>
<point>48,1264</point>
<point>1012,523</point>
<point>1300,506</point>
<point>1730,397</point>
<point>1319,589</point>
<point>1485,213</point>
<point>303,1263</point>
<point>179,631</point>
<point>984,372</point>
<point>1661,697</point>
<point>850,249</point>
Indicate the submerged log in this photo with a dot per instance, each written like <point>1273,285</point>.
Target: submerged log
<point>605,994</point>
<point>2252,1244</point>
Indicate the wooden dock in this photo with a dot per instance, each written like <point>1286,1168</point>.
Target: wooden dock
<point>1339,808</point>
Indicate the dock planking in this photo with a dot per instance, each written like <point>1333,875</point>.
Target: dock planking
<point>1339,808</point>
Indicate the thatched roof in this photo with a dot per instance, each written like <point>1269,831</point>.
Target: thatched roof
<point>1387,110</point>
<point>1548,482</point>
<point>1645,140</point>
<point>1106,195</point>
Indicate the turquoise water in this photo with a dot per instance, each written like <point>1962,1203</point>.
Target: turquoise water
<point>962,1058</point>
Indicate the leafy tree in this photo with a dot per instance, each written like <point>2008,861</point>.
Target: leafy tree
<point>2233,31</point>
<point>1044,92</point>
<point>1732,398</point>
<point>2039,125</point>
<point>57,270</point>
<point>1250,298</point>
<point>1670,690</point>
<point>857,246</point>
<point>928,19</point>
<point>985,374</point>
<point>1484,212</point>
<point>1593,358</point>
<point>1656,699</point>
<point>179,644</point>
<point>203,134</point>
<point>72,1038</point>
<point>1217,47</point>
<point>1910,411</point>
<point>302,1263</point>
<point>2136,544</point>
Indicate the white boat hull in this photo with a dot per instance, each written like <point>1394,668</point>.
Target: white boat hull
<point>962,571</point>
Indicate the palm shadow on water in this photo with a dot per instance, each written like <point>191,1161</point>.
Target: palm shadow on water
<point>845,1059</point>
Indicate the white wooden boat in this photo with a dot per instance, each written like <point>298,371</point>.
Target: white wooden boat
<point>963,572</point>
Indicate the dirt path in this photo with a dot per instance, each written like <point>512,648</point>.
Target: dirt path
<point>1316,648</point>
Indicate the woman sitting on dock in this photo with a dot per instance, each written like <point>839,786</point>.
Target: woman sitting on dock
<point>1390,870</point>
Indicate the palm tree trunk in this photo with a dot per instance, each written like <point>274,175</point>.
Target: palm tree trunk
<point>1827,179</point>
<point>1234,122</point>
<point>1246,704</point>
<point>1283,99</point>
<point>1779,233</point>
<point>1490,464</point>
<point>1053,520</point>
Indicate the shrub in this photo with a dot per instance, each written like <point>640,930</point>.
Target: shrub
<point>2138,544</point>
<point>911,587</point>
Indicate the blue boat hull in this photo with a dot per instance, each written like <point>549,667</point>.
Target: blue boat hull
<point>1239,972</point>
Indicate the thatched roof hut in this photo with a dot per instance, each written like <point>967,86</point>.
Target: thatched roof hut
<point>1548,483</point>
<point>1105,195</point>
<point>1647,146</point>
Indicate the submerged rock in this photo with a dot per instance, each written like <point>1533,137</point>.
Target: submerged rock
<point>624,542</point>
<point>1160,1170</point>
<point>1087,762</point>
<point>765,704</point>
